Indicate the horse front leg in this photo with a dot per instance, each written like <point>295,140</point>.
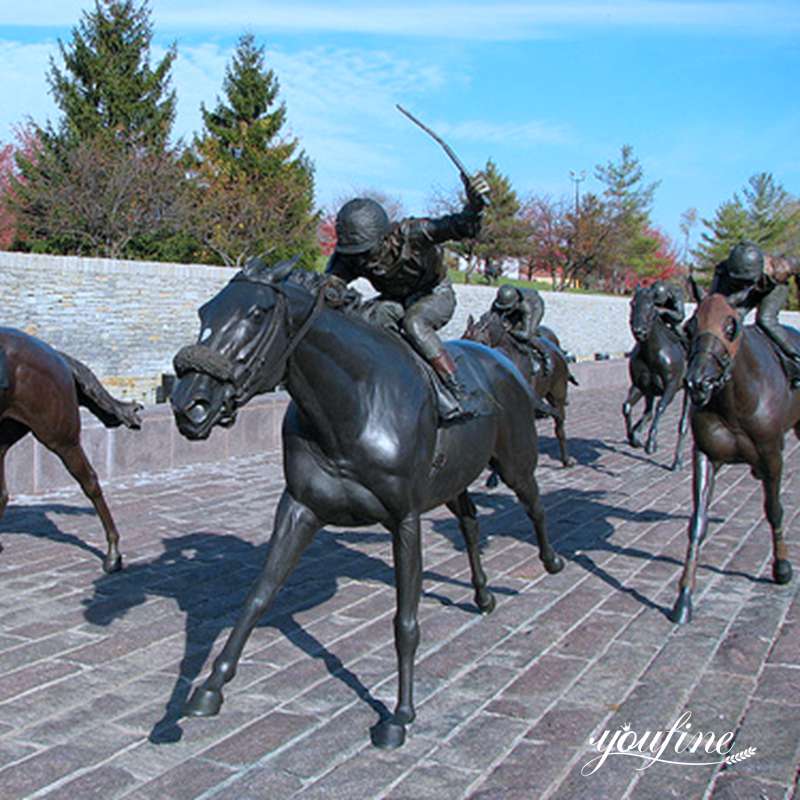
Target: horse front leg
<point>634,396</point>
<point>295,526</point>
<point>644,421</point>
<point>703,489</point>
<point>652,437</point>
<point>683,427</point>
<point>407,551</point>
<point>781,566</point>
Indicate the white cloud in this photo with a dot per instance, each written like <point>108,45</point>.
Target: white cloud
<point>464,20</point>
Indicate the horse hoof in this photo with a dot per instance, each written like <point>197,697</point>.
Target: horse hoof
<point>634,442</point>
<point>492,481</point>
<point>111,565</point>
<point>203,703</point>
<point>554,564</point>
<point>388,734</point>
<point>681,613</point>
<point>650,448</point>
<point>485,603</point>
<point>569,462</point>
<point>782,571</point>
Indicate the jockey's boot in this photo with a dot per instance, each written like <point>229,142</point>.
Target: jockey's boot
<point>445,368</point>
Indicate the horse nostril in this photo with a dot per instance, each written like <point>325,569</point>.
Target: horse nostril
<point>198,411</point>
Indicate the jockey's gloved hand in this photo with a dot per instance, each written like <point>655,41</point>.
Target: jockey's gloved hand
<point>334,290</point>
<point>478,191</point>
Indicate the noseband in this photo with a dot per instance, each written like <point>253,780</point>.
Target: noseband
<point>708,343</point>
<point>256,375</point>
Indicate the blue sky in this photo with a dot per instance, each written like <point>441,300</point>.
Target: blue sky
<point>705,91</point>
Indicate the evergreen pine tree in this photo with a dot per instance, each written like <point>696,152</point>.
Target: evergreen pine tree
<point>256,190</point>
<point>107,86</point>
<point>729,225</point>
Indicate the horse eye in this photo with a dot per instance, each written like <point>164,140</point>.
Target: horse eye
<point>256,314</point>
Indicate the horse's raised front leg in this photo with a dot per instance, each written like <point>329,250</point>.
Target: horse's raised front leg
<point>74,459</point>
<point>669,395</point>
<point>683,426</point>
<point>634,396</point>
<point>703,489</point>
<point>465,510</point>
<point>407,551</point>
<point>772,471</point>
<point>295,526</point>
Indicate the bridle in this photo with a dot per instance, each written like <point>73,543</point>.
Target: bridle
<point>261,373</point>
<point>708,343</point>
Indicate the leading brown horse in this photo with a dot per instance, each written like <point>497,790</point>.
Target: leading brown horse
<point>40,391</point>
<point>742,405</point>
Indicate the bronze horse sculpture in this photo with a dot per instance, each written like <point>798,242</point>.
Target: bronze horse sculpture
<point>40,391</point>
<point>742,405</point>
<point>656,365</point>
<point>493,332</point>
<point>362,443</point>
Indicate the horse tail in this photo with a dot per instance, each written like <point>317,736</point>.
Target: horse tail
<point>93,395</point>
<point>571,378</point>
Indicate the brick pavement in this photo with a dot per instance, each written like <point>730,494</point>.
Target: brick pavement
<point>95,668</point>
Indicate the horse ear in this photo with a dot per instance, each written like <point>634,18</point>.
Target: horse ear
<point>282,270</point>
<point>254,266</point>
<point>696,292</point>
<point>470,321</point>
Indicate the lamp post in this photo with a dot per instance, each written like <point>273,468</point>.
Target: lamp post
<point>577,178</point>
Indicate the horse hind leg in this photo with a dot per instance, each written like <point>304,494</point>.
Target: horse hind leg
<point>11,432</point>
<point>464,509</point>
<point>523,483</point>
<point>76,462</point>
<point>559,425</point>
<point>683,427</point>
<point>644,420</point>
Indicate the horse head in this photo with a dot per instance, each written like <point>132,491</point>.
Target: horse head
<point>643,313</point>
<point>488,330</point>
<point>716,336</point>
<point>246,337</point>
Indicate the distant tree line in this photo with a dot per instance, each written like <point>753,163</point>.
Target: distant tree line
<point>106,180</point>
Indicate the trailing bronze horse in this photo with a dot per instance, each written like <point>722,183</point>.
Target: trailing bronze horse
<point>656,366</point>
<point>40,391</point>
<point>361,443</point>
<point>742,406</point>
<point>492,331</point>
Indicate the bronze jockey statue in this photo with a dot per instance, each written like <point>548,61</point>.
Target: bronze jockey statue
<point>750,279</point>
<point>404,262</point>
<point>522,311</point>
<point>668,299</point>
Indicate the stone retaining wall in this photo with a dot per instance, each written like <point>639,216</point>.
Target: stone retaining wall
<point>126,319</point>
<point>158,446</point>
